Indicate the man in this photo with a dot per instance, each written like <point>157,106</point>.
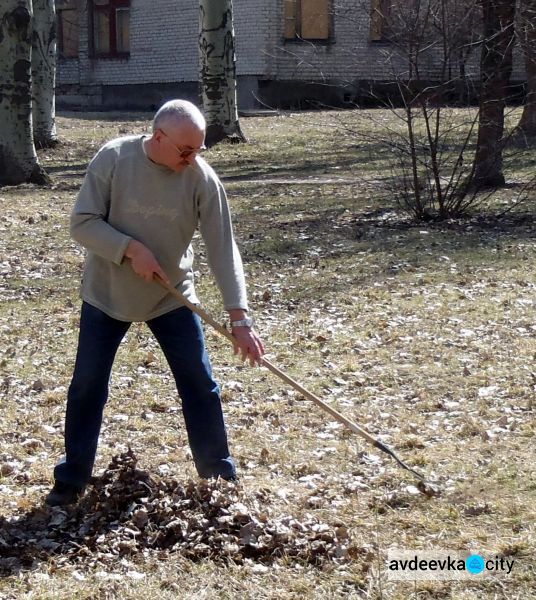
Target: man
<point>136,213</point>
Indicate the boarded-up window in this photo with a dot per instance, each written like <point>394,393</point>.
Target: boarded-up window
<point>315,17</point>
<point>110,21</point>
<point>307,19</point>
<point>290,18</point>
<point>379,19</point>
<point>68,30</point>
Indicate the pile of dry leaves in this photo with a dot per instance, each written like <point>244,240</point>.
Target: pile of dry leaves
<point>126,511</point>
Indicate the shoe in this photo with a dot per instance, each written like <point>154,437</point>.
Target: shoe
<point>63,493</point>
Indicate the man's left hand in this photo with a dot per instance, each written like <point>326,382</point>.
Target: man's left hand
<point>248,344</point>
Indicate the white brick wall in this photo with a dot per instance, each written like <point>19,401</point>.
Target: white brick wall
<point>350,56</point>
<point>253,32</point>
<point>68,71</point>
<point>164,47</point>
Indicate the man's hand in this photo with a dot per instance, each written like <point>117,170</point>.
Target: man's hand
<point>143,261</point>
<point>248,344</point>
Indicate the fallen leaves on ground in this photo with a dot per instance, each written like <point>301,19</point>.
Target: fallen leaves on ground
<point>127,511</point>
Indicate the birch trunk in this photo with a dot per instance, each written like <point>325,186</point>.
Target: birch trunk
<point>496,68</point>
<point>217,75</point>
<point>526,127</point>
<point>18,159</point>
<point>44,73</point>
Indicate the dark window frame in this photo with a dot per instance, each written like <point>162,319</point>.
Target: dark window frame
<point>110,9</point>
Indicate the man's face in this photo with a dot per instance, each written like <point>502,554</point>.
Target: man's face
<point>179,145</point>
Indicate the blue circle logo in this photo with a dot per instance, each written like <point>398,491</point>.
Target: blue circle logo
<point>475,564</point>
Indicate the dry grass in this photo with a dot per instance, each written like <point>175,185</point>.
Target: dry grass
<point>424,334</point>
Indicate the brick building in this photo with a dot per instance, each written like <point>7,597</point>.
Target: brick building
<point>138,53</point>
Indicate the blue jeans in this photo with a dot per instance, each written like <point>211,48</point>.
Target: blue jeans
<point>180,336</point>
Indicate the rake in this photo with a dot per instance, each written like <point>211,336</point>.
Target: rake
<point>425,486</point>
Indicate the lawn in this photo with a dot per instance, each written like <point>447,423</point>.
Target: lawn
<point>423,333</point>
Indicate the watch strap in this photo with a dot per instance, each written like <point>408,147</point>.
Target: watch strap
<point>247,322</point>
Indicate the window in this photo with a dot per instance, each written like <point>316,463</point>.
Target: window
<point>308,19</point>
<point>67,20</point>
<point>110,24</point>
<point>379,17</point>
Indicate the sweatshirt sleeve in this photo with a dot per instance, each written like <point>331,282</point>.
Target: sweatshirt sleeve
<point>89,226</point>
<point>222,252</point>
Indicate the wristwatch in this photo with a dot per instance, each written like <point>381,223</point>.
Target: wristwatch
<point>247,322</point>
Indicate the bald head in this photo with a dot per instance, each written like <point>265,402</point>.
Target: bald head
<point>178,135</point>
<point>178,113</point>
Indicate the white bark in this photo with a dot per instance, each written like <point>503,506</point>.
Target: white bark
<point>217,75</point>
<point>44,72</point>
<point>18,159</point>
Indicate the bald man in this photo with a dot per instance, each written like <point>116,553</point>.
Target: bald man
<point>141,202</point>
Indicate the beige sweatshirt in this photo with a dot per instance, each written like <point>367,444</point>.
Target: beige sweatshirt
<point>126,196</point>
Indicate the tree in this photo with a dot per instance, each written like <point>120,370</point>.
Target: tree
<point>429,146</point>
<point>18,159</point>
<point>218,71</point>
<point>44,73</point>
<point>526,29</point>
<point>496,68</point>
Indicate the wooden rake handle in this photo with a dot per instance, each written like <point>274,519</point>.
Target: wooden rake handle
<point>266,363</point>
<point>287,379</point>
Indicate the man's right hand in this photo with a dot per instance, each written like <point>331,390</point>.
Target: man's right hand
<point>143,261</point>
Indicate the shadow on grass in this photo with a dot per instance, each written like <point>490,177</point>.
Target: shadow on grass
<point>331,164</point>
<point>399,243</point>
<point>114,116</point>
<point>79,169</point>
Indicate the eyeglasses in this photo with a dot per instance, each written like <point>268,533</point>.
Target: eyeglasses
<point>184,152</point>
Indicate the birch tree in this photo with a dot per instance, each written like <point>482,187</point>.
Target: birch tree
<point>18,159</point>
<point>217,68</point>
<point>44,73</point>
